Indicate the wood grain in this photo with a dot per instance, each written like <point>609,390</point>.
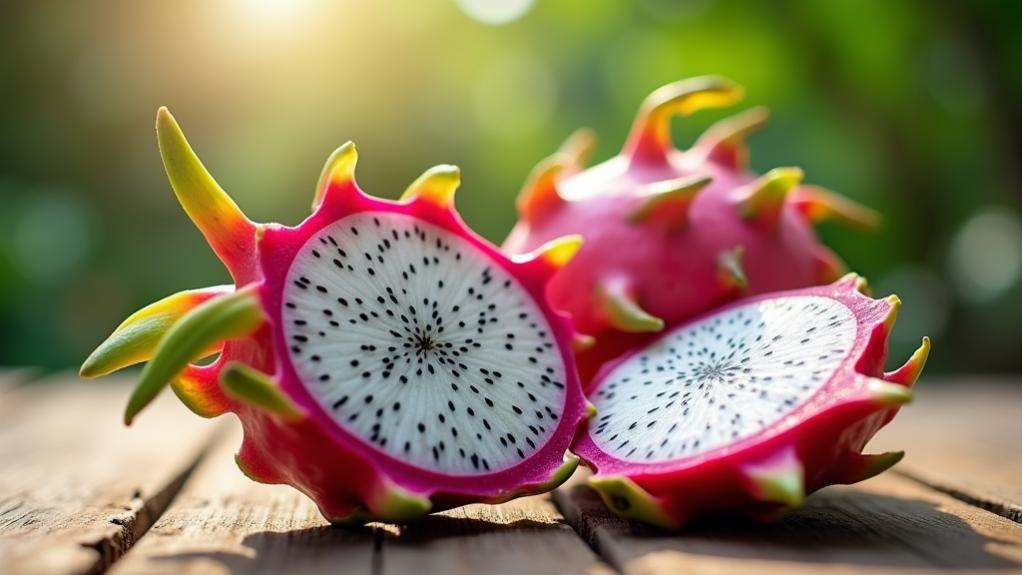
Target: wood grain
<point>888,524</point>
<point>223,522</point>
<point>963,438</point>
<point>527,534</point>
<point>77,488</point>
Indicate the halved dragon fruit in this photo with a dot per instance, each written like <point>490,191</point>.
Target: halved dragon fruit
<point>670,234</point>
<point>381,357</point>
<point>748,409</point>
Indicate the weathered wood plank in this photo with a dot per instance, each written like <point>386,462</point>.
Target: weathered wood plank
<point>525,535</point>
<point>223,522</point>
<point>963,438</point>
<point>77,487</point>
<point>888,524</point>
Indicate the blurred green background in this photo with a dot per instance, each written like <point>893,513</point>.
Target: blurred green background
<point>908,106</point>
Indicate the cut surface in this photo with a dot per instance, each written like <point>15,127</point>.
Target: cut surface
<point>413,340</point>
<point>721,379</point>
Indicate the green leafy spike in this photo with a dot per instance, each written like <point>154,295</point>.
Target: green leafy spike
<point>231,316</point>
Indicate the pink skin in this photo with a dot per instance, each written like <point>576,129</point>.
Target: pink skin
<point>339,470</point>
<point>825,433</point>
<point>674,273</point>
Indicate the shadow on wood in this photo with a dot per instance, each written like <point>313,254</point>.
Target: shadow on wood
<point>839,525</point>
<point>310,550</point>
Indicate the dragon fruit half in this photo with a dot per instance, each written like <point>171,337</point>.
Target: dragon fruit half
<point>670,234</point>
<point>749,408</point>
<point>382,358</point>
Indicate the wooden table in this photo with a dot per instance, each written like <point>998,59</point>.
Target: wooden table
<point>79,493</point>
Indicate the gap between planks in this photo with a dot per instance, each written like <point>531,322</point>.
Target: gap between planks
<point>961,438</point>
<point>887,524</point>
<point>223,522</point>
<point>474,538</point>
<point>78,488</point>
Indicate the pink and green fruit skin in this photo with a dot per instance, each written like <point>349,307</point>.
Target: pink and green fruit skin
<point>289,437</point>
<point>670,234</point>
<point>818,443</point>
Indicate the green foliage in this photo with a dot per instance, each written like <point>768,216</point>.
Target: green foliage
<point>909,107</point>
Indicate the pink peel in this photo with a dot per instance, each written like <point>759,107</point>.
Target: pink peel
<point>288,435</point>
<point>667,222</point>
<point>816,444</point>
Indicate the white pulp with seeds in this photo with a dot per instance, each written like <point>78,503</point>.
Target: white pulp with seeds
<point>414,341</point>
<point>722,379</point>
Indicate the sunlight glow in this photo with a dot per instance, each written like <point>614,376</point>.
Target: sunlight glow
<point>277,13</point>
<point>495,11</point>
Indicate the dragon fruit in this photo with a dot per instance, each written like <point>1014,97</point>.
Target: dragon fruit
<point>749,408</point>
<point>672,234</point>
<point>381,357</point>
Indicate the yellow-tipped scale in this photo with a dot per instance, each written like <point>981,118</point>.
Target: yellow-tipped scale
<point>623,312</point>
<point>136,338</point>
<point>339,169</point>
<point>761,201</point>
<point>668,201</point>
<point>724,142</point>
<point>436,185</point>
<point>556,253</point>
<point>226,317</point>
<point>225,227</point>
<point>650,135</point>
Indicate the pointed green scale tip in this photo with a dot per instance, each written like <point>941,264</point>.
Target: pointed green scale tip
<point>651,129</point>
<point>892,315</point>
<point>625,498</point>
<point>554,254</point>
<point>729,263</point>
<point>908,373</point>
<point>888,394</point>
<point>397,505</point>
<point>779,481</point>
<point>357,518</point>
<point>624,313</point>
<point>338,169</point>
<point>590,410</point>
<point>205,202</point>
<point>579,146</point>
<point>724,142</point>
<point>257,389</point>
<point>668,199</point>
<point>873,465</point>
<point>560,475</point>
<point>820,204</point>
<point>135,339</point>
<point>436,184</point>
<point>762,199</point>
<point>556,478</point>
<point>227,317</point>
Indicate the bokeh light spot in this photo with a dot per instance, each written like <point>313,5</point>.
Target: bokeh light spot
<point>985,259</point>
<point>495,11</point>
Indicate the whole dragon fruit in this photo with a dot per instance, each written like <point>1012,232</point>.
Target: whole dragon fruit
<point>749,408</point>
<point>382,358</point>
<point>670,234</point>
